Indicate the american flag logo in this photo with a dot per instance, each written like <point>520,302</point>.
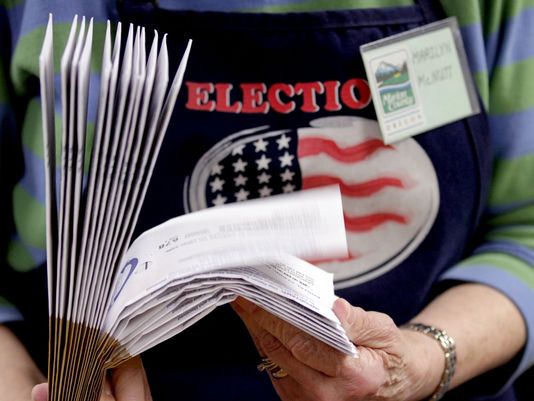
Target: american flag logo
<point>390,192</point>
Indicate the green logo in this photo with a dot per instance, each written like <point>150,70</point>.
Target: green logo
<point>393,82</point>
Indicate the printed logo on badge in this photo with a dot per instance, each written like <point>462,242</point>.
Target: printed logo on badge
<point>398,99</point>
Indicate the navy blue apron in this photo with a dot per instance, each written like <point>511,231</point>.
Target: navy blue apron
<point>253,73</point>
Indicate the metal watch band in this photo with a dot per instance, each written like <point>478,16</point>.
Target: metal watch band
<point>449,348</point>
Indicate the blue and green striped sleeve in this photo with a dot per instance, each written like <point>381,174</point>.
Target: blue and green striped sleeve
<point>498,37</point>
<point>23,25</point>
<point>8,312</point>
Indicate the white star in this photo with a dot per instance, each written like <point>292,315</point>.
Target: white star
<point>216,169</point>
<point>238,150</point>
<point>288,188</point>
<point>240,180</point>
<point>239,165</point>
<point>283,142</point>
<point>287,175</point>
<point>216,184</point>
<point>242,195</point>
<point>263,162</point>
<point>219,200</point>
<point>265,191</point>
<point>286,160</point>
<point>264,178</point>
<point>261,145</point>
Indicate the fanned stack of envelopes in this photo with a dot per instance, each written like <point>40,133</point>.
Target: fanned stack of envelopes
<point>110,299</point>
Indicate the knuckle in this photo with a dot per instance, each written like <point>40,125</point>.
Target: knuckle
<point>301,345</point>
<point>390,328</point>
<point>380,324</point>
<point>269,343</point>
<point>345,368</point>
<point>386,321</point>
<point>358,313</point>
<point>323,394</point>
<point>314,391</point>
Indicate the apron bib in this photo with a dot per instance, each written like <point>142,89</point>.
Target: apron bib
<point>279,103</point>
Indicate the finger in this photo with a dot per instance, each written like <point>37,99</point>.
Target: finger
<point>107,390</point>
<point>370,329</point>
<point>299,344</point>
<point>40,392</point>
<point>251,326</point>
<point>291,390</point>
<point>271,347</point>
<point>129,381</point>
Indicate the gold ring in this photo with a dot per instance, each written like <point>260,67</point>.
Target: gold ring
<point>276,371</point>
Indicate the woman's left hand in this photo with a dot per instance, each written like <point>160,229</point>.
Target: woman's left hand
<point>393,364</point>
<point>127,382</point>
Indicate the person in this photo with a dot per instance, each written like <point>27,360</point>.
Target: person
<point>276,99</point>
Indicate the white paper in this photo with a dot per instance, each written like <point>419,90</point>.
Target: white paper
<point>143,292</point>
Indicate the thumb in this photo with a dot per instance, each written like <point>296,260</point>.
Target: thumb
<point>368,329</point>
<point>40,392</point>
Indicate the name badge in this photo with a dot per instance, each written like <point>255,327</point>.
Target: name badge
<point>419,80</point>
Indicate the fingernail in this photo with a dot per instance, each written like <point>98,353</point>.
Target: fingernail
<point>40,392</point>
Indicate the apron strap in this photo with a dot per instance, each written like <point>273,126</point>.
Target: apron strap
<point>431,9</point>
<point>138,12</point>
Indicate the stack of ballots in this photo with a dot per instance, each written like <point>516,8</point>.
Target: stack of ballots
<point>110,298</point>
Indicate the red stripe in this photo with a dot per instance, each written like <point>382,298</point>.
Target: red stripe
<point>350,256</point>
<point>369,222</point>
<point>351,154</point>
<point>366,188</point>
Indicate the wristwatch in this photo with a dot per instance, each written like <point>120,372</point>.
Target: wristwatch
<point>449,349</point>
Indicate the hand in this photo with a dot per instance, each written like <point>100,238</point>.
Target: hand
<point>127,382</point>
<point>393,364</point>
<point>19,371</point>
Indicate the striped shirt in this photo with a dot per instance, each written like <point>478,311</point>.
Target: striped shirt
<point>497,36</point>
